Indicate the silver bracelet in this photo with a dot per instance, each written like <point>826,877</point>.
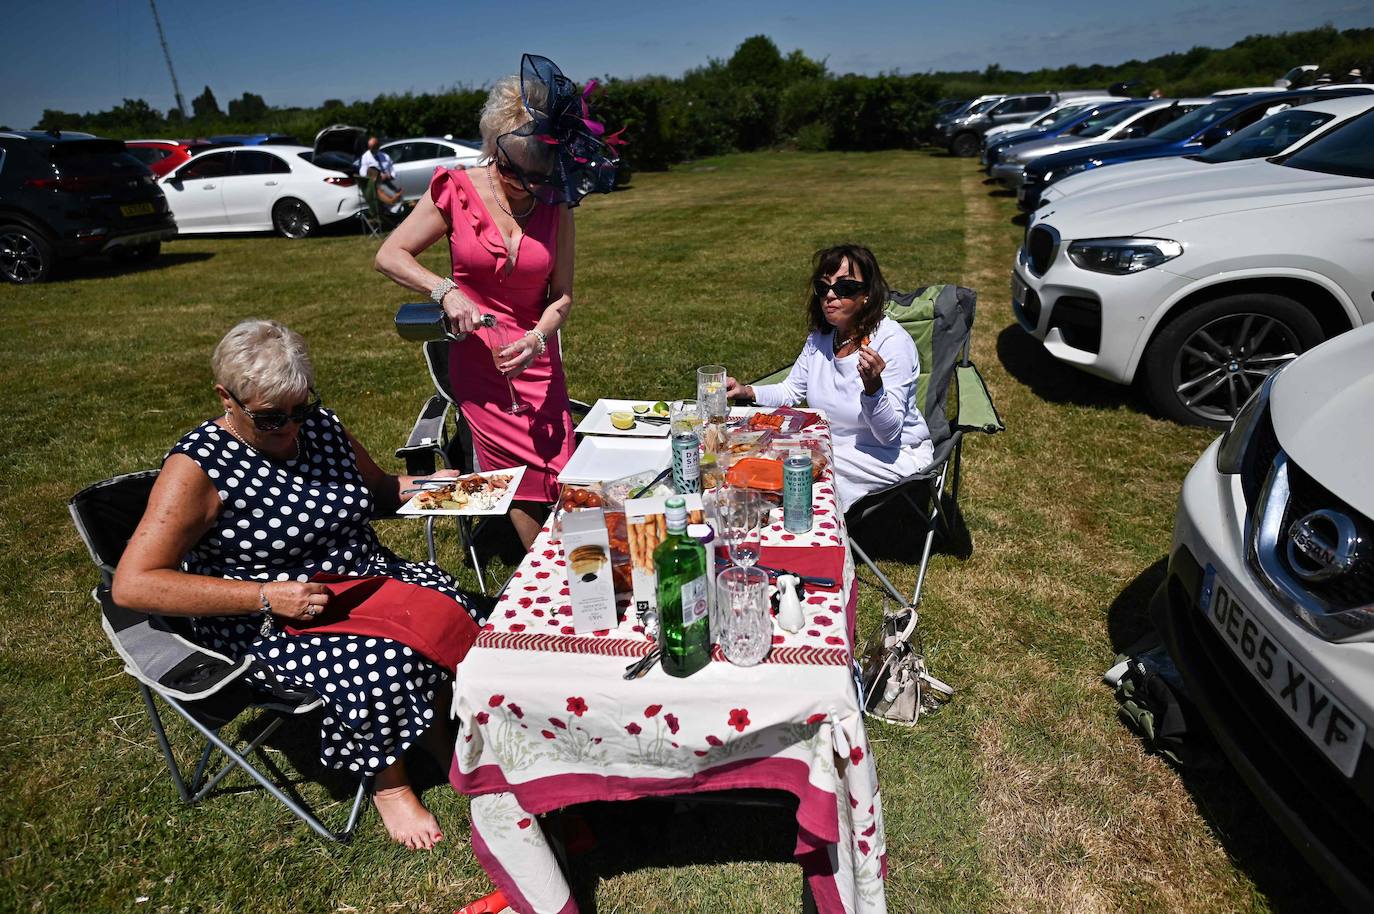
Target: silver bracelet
<point>442,288</point>
<point>265,629</point>
<point>542,337</point>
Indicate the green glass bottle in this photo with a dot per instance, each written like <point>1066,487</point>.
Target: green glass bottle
<point>684,626</point>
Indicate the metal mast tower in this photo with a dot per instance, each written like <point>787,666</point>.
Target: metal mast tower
<point>181,103</point>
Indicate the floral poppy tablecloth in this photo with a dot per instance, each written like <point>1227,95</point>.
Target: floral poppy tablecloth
<point>546,721</point>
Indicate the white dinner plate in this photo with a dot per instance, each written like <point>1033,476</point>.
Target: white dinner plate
<point>502,505</point>
<point>598,459</point>
<point>598,420</point>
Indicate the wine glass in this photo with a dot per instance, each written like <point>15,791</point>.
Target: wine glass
<point>739,521</point>
<point>501,334</point>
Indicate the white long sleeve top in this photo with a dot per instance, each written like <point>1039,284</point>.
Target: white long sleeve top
<point>880,425</point>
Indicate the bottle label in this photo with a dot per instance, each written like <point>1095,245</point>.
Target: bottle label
<point>686,464</point>
<point>694,604</point>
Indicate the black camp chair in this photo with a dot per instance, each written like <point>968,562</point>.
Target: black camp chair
<point>940,322</point>
<point>434,438</point>
<point>207,689</point>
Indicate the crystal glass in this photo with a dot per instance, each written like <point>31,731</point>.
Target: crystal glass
<point>746,628</point>
<point>499,335</point>
<point>683,416</point>
<point>740,511</point>
<point>711,392</point>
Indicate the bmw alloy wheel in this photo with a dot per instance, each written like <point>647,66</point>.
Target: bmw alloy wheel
<point>1224,361</point>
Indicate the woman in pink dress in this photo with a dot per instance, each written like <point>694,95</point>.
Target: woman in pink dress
<point>509,225</point>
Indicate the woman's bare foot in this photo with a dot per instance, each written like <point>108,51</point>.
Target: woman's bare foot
<point>406,819</point>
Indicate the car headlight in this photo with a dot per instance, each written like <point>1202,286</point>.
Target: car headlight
<point>1060,174</point>
<point>1235,442</point>
<point>1119,256</point>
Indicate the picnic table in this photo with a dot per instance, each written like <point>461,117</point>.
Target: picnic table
<point>546,720</point>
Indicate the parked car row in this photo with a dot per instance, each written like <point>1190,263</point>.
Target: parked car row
<point>69,195</point>
<point>1195,268</point>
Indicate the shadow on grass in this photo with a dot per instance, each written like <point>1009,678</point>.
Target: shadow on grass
<point>1021,219</point>
<point>657,833</point>
<point>107,267</point>
<point>1251,839</point>
<point>1026,360</point>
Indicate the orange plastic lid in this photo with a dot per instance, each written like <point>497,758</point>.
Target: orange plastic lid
<point>756,473</point>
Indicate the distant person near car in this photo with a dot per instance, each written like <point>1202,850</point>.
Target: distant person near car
<point>373,157</point>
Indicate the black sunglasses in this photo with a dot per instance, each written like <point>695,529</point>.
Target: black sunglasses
<point>271,421</point>
<point>534,179</point>
<point>843,288</point>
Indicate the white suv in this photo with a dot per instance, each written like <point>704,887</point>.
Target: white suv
<point>1201,284</point>
<point>1268,606</point>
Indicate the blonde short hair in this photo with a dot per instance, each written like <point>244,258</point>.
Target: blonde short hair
<point>504,112</point>
<point>263,360</point>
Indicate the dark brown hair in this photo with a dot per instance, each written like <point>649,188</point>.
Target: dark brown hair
<point>862,261</point>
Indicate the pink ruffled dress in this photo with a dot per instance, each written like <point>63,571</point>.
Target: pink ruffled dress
<point>542,438</point>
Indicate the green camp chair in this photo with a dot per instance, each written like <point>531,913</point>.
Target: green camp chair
<point>371,218</point>
<point>940,321</point>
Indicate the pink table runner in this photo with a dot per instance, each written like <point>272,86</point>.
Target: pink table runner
<point>546,721</point>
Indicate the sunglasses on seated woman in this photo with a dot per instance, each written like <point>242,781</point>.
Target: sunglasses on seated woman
<point>843,288</point>
<point>272,420</point>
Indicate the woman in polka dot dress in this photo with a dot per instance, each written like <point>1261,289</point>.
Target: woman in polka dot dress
<point>248,507</point>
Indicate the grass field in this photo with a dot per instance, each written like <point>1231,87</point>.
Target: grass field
<point>1025,794</point>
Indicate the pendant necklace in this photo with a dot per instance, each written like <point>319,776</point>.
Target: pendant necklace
<point>229,426</point>
<point>497,197</point>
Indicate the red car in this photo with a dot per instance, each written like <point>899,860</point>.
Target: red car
<point>161,156</point>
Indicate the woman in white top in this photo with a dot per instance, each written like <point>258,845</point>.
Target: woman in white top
<point>860,368</point>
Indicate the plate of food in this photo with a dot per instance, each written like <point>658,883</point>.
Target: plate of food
<point>635,418</point>
<point>473,494</point>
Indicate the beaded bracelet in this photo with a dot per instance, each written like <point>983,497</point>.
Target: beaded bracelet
<point>542,338</point>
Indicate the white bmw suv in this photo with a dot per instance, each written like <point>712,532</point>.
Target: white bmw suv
<point>1268,607</point>
<point>1200,284</point>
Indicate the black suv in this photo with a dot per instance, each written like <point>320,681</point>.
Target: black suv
<point>63,197</point>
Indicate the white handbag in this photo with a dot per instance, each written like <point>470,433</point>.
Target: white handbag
<point>896,685</point>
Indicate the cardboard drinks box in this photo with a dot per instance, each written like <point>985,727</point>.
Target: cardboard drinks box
<point>587,549</point>
<point>647,525</point>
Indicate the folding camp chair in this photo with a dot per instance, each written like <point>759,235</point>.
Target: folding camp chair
<point>208,689</point>
<point>433,438</point>
<point>373,219</point>
<point>940,322</point>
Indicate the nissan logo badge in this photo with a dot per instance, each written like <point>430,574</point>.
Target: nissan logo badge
<point>1322,545</point>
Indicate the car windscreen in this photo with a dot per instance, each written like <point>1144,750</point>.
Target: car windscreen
<point>91,158</point>
<point>1267,137</point>
<point>981,107</point>
<point>1096,126</point>
<point>1194,122</point>
<point>1346,150</point>
<point>1055,118</point>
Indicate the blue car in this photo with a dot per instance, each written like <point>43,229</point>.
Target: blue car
<point>255,139</point>
<point>992,154</point>
<point>1192,133</point>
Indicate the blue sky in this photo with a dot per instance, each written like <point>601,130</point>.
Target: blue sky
<point>89,54</point>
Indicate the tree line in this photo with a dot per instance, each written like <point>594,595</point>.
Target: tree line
<point>757,98</point>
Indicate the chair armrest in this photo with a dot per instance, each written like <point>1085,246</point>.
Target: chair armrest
<point>426,440</point>
<point>976,411</point>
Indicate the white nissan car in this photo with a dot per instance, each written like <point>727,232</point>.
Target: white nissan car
<point>1268,606</point>
<point>257,189</point>
<point>1200,285</point>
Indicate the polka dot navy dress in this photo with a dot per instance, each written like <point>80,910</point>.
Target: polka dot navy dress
<point>283,520</point>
